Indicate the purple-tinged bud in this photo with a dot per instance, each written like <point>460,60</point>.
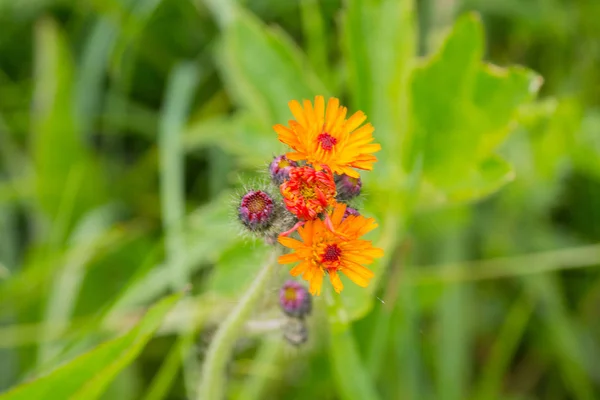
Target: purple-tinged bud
<point>350,211</point>
<point>347,187</point>
<point>280,169</point>
<point>295,300</point>
<point>257,210</point>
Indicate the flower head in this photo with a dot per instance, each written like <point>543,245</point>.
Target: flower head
<point>348,187</point>
<point>294,299</point>
<point>256,210</point>
<point>326,137</point>
<point>280,168</point>
<point>322,251</point>
<point>308,193</point>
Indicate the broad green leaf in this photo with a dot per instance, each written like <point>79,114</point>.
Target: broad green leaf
<point>379,40</point>
<point>237,266</point>
<point>462,110</point>
<point>263,69</point>
<point>481,181</point>
<point>87,376</point>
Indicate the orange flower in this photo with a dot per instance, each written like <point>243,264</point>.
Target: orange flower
<point>322,251</point>
<point>327,138</point>
<point>308,193</point>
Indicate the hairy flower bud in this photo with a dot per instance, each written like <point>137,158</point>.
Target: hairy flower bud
<point>295,332</point>
<point>295,300</point>
<point>256,210</point>
<point>280,169</point>
<point>347,187</point>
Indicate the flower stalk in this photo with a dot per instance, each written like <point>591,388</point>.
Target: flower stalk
<point>213,372</point>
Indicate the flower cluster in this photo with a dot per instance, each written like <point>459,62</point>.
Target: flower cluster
<point>315,181</point>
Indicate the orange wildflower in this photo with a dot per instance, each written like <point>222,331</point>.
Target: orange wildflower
<point>326,137</point>
<point>322,251</point>
<point>307,192</point>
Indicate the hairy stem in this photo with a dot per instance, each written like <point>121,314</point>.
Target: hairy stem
<point>221,347</point>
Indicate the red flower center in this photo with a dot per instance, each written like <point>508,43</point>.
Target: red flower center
<point>332,253</point>
<point>257,202</point>
<point>327,141</point>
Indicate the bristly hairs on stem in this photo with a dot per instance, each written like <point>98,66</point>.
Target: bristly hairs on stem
<point>220,350</point>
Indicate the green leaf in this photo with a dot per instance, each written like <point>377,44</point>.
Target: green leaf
<point>462,110</point>
<point>483,180</point>
<point>237,266</point>
<point>263,69</point>
<point>87,376</point>
<point>379,41</point>
<point>58,150</point>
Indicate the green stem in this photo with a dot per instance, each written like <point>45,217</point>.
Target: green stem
<point>219,352</point>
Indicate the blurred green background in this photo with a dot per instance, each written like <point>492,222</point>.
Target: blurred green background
<point>128,128</point>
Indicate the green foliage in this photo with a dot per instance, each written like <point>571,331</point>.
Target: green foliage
<point>129,128</point>
<point>87,376</point>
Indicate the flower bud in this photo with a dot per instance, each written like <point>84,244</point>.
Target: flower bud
<point>295,332</point>
<point>280,169</point>
<point>295,300</point>
<point>257,210</point>
<point>350,211</point>
<point>347,187</point>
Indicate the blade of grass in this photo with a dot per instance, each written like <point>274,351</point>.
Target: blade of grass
<point>313,29</point>
<point>504,348</point>
<point>453,312</point>
<point>179,97</point>
<point>573,360</point>
<point>67,281</point>
<point>350,376</point>
<point>164,378</point>
<point>265,368</point>
<point>507,267</point>
<point>408,342</point>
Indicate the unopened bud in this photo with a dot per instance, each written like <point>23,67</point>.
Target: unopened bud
<point>347,187</point>
<point>295,300</point>
<point>256,210</point>
<point>280,169</point>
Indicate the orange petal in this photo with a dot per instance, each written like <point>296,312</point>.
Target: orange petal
<point>338,214</point>
<point>309,112</point>
<point>336,281</point>
<point>316,282</point>
<point>296,156</point>
<point>288,258</point>
<point>358,274</point>
<point>350,172</point>
<point>306,232</point>
<point>354,121</point>
<point>298,112</point>
<point>319,110</point>
<point>300,268</point>
<point>289,242</point>
<point>364,132</point>
<point>333,106</point>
